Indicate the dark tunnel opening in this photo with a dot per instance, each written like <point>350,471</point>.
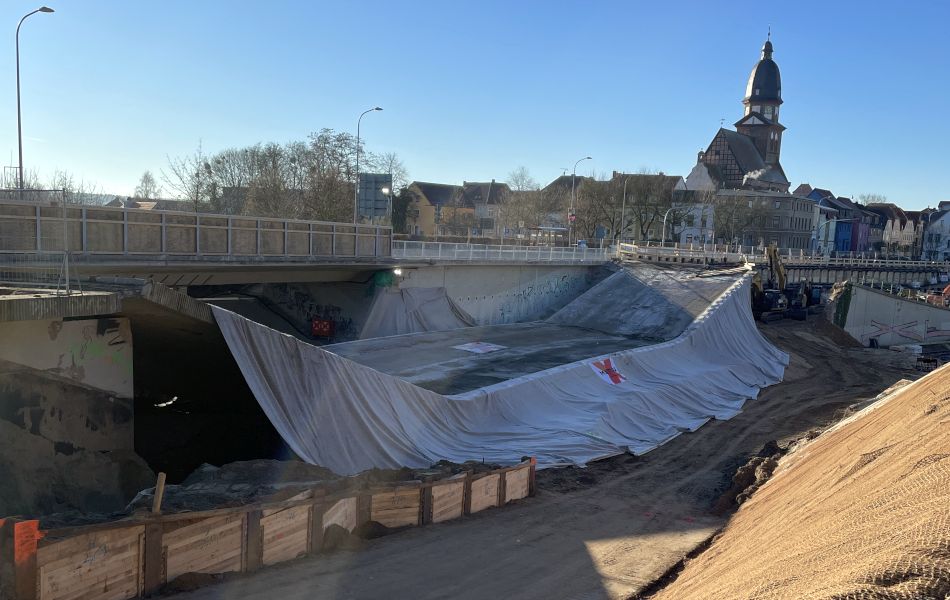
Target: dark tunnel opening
<point>192,404</point>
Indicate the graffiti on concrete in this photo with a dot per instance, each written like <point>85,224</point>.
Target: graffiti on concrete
<point>104,341</point>
<point>297,303</point>
<point>909,330</point>
<point>540,297</point>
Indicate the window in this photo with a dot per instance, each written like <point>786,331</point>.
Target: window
<point>775,222</point>
<point>690,220</point>
<point>778,204</point>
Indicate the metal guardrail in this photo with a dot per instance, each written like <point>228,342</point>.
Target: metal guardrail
<point>485,252</point>
<point>790,258</point>
<point>92,230</point>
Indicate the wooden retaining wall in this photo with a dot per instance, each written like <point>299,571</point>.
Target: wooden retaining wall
<point>134,557</point>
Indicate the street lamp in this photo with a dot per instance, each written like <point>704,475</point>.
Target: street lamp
<point>663,236</point>
<point>388,191</point>
<point>570,230</point>
<point>623,209</point>
<point>19,129</point>
<point>356,186</point>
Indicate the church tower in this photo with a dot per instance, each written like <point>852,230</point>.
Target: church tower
<point>763,97</point>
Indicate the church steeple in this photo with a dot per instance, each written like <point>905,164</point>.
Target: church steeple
<point>763,96</point>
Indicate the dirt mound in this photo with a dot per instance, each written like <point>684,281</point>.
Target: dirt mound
<point>750,477</point>
<point>860,512</point>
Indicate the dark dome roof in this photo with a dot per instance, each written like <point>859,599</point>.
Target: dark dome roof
<point>765,82</point>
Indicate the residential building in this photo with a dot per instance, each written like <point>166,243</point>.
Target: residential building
<point>437,209</point>
<point>899,231</point>
<point>823,237</point>
<point>488,200</point>
<point>762,217</point>
<point>936,234</point>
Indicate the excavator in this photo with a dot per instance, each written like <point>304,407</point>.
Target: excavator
<point>779,300</point>
<point>770,303</point>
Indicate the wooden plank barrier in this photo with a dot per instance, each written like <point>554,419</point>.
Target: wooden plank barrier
<point>448,498</point>
<point>104,564</point>
<point>285,533</point>
<point>397,508</point>
<point>129,558</point>
<point>214,545</point>
<point>484,492</point>
<point>342,513</point>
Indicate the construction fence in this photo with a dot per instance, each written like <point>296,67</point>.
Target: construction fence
<point>137,556</point>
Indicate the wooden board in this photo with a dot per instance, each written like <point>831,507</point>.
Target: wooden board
<point>213,545</point>
<point>104,565</point>
<point>484,493</point>
<point>447,501</point>
<point>398,508</point>
<point>517,484</point>
<point>285,534</point>
<point>343,513</point>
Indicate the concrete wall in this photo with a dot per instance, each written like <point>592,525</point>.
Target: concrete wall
<point>69,381</point>
<point>492,294</point>
<point>498,294</point>
<point>890,320</point>
<point>93,352</point>
<point>66,416</point>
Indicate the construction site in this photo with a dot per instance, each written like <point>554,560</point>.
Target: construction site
<point>631,424</point>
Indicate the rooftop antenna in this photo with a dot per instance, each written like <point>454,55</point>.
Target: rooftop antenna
<point>769,38</point>
<point>564,174</point>
<point>721,122</point>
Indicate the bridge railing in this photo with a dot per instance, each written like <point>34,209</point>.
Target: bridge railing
<point>789,257</point>
<point>485,252</point>
<point>93,230</point>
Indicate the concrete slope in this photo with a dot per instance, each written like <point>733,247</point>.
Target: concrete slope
<point>644,301</point>
<point>861,512</point>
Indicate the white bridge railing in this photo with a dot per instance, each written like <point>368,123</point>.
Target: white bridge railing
<point>789,257</point>
<point>492,253</point>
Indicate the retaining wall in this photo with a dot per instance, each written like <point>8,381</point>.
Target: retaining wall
<point>134,557</point>
<point>498,294</point>
<point>876,315</point>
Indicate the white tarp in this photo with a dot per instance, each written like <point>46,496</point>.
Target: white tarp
<point>413,310</point>
<point>349,417</point>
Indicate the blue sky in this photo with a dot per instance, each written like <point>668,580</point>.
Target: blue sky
<point>472,90</point>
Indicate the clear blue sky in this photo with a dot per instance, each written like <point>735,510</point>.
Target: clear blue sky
<point>472,90</point>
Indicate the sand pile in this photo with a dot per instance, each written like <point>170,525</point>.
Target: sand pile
<point>863,511</point>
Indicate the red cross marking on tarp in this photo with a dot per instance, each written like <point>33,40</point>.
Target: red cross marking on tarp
<point>607,368</point>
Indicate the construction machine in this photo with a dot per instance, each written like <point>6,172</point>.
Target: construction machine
<point>769,303</point>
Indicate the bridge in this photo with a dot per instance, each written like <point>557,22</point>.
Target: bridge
<point>798,265</point>
<point>187,248</point>
<point>182,248</point>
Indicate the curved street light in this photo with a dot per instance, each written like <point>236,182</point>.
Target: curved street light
<point>19,128</point>
<point>570,230</point>
<point>356,186</point>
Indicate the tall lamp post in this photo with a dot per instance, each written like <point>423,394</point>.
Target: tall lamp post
<point>663,236</point>
<point>19,128</point>
<point>623,209</point>
<point>570,230</point>
<point>356,186</point>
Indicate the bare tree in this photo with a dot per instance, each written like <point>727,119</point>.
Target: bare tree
<point>148,188</point>
<point>389,162</point>
<point>77,191</point>
<point>188,177</point>
<point>872,198</point>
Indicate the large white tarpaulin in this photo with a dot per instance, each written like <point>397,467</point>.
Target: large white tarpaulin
<point>348,417</point>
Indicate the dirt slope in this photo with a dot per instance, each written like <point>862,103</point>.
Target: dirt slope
<point>863,511</point>
<point>601,532</point>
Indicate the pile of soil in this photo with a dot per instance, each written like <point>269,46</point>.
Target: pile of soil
<point>859,512</point>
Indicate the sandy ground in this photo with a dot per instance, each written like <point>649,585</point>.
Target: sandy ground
<point>601,532</point>
<point>860,512</point>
